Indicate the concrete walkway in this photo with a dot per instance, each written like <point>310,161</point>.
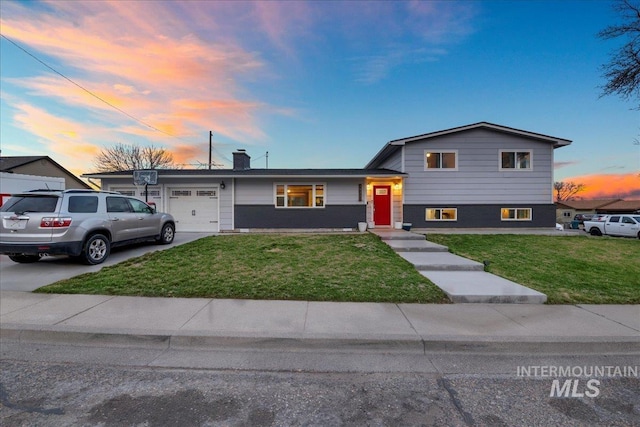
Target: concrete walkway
<point>463,280</point>
<point>141,322</point>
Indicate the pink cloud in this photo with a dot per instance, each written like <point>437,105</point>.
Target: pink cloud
<point>140,57</point>
<point>605,186</point>
<point>66,138</point>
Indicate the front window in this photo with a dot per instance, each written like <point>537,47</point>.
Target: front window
<point>441,214</point>
<point>516,214</point>
<point>441,160</point>
<point>300,195</point>
<point>515,159</point>
<point>139,207</point>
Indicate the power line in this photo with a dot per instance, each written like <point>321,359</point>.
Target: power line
<point>97,96</point>
<point>85,89</point>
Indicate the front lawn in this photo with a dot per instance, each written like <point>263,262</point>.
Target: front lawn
<point>330,267</point>
<point>569,269</point>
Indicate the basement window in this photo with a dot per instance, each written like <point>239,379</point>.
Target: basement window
<point>516,214</point>
<point>441,214</point>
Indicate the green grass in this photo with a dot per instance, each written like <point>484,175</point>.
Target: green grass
<point>351,267</point>
<point>569,269</point>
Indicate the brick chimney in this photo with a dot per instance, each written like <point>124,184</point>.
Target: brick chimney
<point>241,160</point>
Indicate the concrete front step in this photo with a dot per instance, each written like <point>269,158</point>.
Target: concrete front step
<point>440,261</point>
<point>392,234</point>
<point>482,287</point>
<point>415,246</point>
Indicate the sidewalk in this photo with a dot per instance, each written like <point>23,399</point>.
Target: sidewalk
<point>141,322</point>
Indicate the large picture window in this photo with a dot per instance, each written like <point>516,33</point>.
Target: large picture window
<point>520,160</point>
<point>441,214</point>
<point>300,195</point>
<point>441,160</point>
<point>516,214</point>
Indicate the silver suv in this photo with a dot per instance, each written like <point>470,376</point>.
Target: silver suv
<point>81,223</point>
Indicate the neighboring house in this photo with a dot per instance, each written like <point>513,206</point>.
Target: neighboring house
<point>11,183</point>
<point>41,166</point>
<point>620,206</point>
<point>480,175</point>
<point>566,210</point>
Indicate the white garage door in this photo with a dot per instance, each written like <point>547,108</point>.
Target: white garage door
<point>194,209</point>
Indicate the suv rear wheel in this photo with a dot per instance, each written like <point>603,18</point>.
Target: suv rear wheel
<point>96,249</point>
<point>24,259</point>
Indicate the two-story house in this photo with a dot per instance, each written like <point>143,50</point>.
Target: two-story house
<point>480,175</point>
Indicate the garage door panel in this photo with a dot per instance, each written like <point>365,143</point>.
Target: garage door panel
<point>194,209</point>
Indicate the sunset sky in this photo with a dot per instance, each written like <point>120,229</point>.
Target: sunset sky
<point>316,84</point>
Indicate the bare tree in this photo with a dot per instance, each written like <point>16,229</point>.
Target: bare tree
<point>623,70</point>
<point>566,190</point>
<point>123,157</point>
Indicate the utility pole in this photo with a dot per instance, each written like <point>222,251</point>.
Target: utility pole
<point>267,159</point>
<point>210,146</point>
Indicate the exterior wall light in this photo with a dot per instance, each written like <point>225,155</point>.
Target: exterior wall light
<point>222,185</point>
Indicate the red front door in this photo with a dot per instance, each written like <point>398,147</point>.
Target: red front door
<point>382,204</point>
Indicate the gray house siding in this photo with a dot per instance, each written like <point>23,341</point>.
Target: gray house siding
<point>394,162</point>
<point>331,216</point>
<point>344,204</point>
<point>338,191</point>
<point>478,178</point>
<point>481,216</point>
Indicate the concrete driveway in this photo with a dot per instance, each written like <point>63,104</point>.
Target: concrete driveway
<point>27,277</point>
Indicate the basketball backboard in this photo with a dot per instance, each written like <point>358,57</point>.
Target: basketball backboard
<point>145,177</point>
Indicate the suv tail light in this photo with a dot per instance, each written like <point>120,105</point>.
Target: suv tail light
<point>50,222</point>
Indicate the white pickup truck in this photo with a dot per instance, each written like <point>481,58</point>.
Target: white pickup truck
<point>615,225</point>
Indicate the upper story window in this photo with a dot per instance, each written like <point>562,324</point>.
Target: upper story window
<point>441,160</point>
<point>520,159</point>
<point>300,195</point>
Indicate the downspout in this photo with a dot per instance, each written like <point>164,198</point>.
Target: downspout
<point>233,204</point>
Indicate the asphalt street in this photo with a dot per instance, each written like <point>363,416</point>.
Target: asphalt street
<point>52,385</point>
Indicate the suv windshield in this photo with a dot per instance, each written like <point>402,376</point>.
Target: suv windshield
<point>22,204</point>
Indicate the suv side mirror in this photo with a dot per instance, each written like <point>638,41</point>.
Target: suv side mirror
<point>153,207</point>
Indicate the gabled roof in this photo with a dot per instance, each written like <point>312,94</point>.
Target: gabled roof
<point>586,204</point>
<point>393,146</point>
<point>257,173</point>
<point>9,163</point>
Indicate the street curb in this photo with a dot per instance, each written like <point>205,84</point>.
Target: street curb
<point>164,340</point>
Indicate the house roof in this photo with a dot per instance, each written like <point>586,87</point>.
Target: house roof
<point>393,146</point>
<point>622,205</point>
<point>586,204</point>
<point>258,173</point>
<point>9,163</point>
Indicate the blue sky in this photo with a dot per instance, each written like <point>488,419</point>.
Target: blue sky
<point>317,84</point>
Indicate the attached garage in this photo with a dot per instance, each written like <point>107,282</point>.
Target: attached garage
<point>194,209</point>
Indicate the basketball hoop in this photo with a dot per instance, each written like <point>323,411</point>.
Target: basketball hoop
<point>144,178</point>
